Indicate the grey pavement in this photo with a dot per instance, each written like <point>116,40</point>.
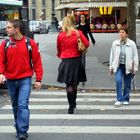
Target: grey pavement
<point>3,96</point>
<point>97,59</point>
<point>95,117</point>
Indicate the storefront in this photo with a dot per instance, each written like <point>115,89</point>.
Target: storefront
<point>105,13</point>
<point>10,9</point>
<point>95,8</point>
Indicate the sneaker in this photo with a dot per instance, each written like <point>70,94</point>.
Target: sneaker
<point>125,103</point>
<point>118,103</point>
<point>17,135</point>
<point>22,137</point>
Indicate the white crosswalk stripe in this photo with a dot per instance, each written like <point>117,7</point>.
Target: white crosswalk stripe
<point>83,107</point>
<point>99,102</point>
<point>75,129</point>
<point>76,117</point>
<point>85,99</point>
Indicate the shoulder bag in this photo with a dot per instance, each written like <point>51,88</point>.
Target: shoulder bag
<point>81,47</point>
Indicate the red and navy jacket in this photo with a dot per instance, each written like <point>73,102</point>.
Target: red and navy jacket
<point>67,46</point>
<point>15,60</point>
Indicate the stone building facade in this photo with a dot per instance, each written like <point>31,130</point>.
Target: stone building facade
<point>43,9</point>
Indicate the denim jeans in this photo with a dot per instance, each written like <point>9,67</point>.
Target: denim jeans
<point>19,91</point>
<point>123,79</point>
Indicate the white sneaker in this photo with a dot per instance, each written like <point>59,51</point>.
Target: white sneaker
<point>125,103</point>
<point>118,103</point>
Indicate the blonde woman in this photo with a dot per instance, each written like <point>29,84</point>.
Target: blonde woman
<point>71,70</point>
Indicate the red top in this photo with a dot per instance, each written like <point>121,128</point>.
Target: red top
<point>67,46</point>
<point>17,60</point>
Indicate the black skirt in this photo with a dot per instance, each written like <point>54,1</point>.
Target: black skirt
<point>71,71</point>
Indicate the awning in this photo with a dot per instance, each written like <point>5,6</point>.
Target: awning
<point>11,2</point>
<point>91,5</point>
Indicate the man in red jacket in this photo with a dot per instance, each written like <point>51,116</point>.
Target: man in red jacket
<point>16,68</point>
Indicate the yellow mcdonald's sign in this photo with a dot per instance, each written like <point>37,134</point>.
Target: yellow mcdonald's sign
<point>105,10</point>
<point>109,10</point>
<point>101,10</point>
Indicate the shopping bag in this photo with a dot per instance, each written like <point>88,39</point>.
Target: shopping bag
<point>133,83</point>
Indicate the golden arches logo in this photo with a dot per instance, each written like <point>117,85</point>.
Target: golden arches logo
<point>105,10</point>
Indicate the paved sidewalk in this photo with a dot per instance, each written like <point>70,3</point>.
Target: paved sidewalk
<point>97,59</point>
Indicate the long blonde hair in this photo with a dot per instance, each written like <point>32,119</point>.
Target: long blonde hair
<point>68,24</point>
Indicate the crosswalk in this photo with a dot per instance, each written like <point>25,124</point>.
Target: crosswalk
<point>95,114</point>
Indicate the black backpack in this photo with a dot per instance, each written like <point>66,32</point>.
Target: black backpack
<point>8,42</point>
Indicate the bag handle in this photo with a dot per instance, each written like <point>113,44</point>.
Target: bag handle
<point>78,34</point>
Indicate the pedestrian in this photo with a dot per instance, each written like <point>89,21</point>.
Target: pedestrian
<point>71,70</point>
<point>15,65</point>
<point>77,18</point>
<point>56,22</point>
<point>123,63</point>
<point>85,28</point>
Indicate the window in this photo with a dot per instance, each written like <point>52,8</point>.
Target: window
<point>44,14</point>
<point>33,14</point>
<point>43,2</point>
<point>33,3</point>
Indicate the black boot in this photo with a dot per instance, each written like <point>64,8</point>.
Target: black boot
<point>70,97</point>
<point>71,110</point>
<point>75,97</point>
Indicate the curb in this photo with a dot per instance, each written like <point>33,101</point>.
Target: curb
<point>85,89</point>
<point>81,89</point>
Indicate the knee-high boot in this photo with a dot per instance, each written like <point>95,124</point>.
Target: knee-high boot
<point>75,97</point>
<point>71,99</point>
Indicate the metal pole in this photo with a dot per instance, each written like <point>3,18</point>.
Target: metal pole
<point>53,22</point>
<point>116,22</point>
<point>25,20</point>
<point>25,17</point>
<point>90,12</point>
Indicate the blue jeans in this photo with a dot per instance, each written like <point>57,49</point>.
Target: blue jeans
<point>123,79</point>
<point>19,91</point>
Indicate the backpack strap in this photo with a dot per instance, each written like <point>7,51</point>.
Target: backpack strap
<point>29,48</point>
<point>7,44</point>
<point>27,40</point>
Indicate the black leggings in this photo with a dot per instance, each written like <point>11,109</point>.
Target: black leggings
<point>71,88</point>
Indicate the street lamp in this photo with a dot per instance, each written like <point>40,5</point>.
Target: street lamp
<point>53,27</point>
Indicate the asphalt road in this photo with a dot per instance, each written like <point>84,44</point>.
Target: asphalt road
<point>95,118</point>
<point>97,59</point>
